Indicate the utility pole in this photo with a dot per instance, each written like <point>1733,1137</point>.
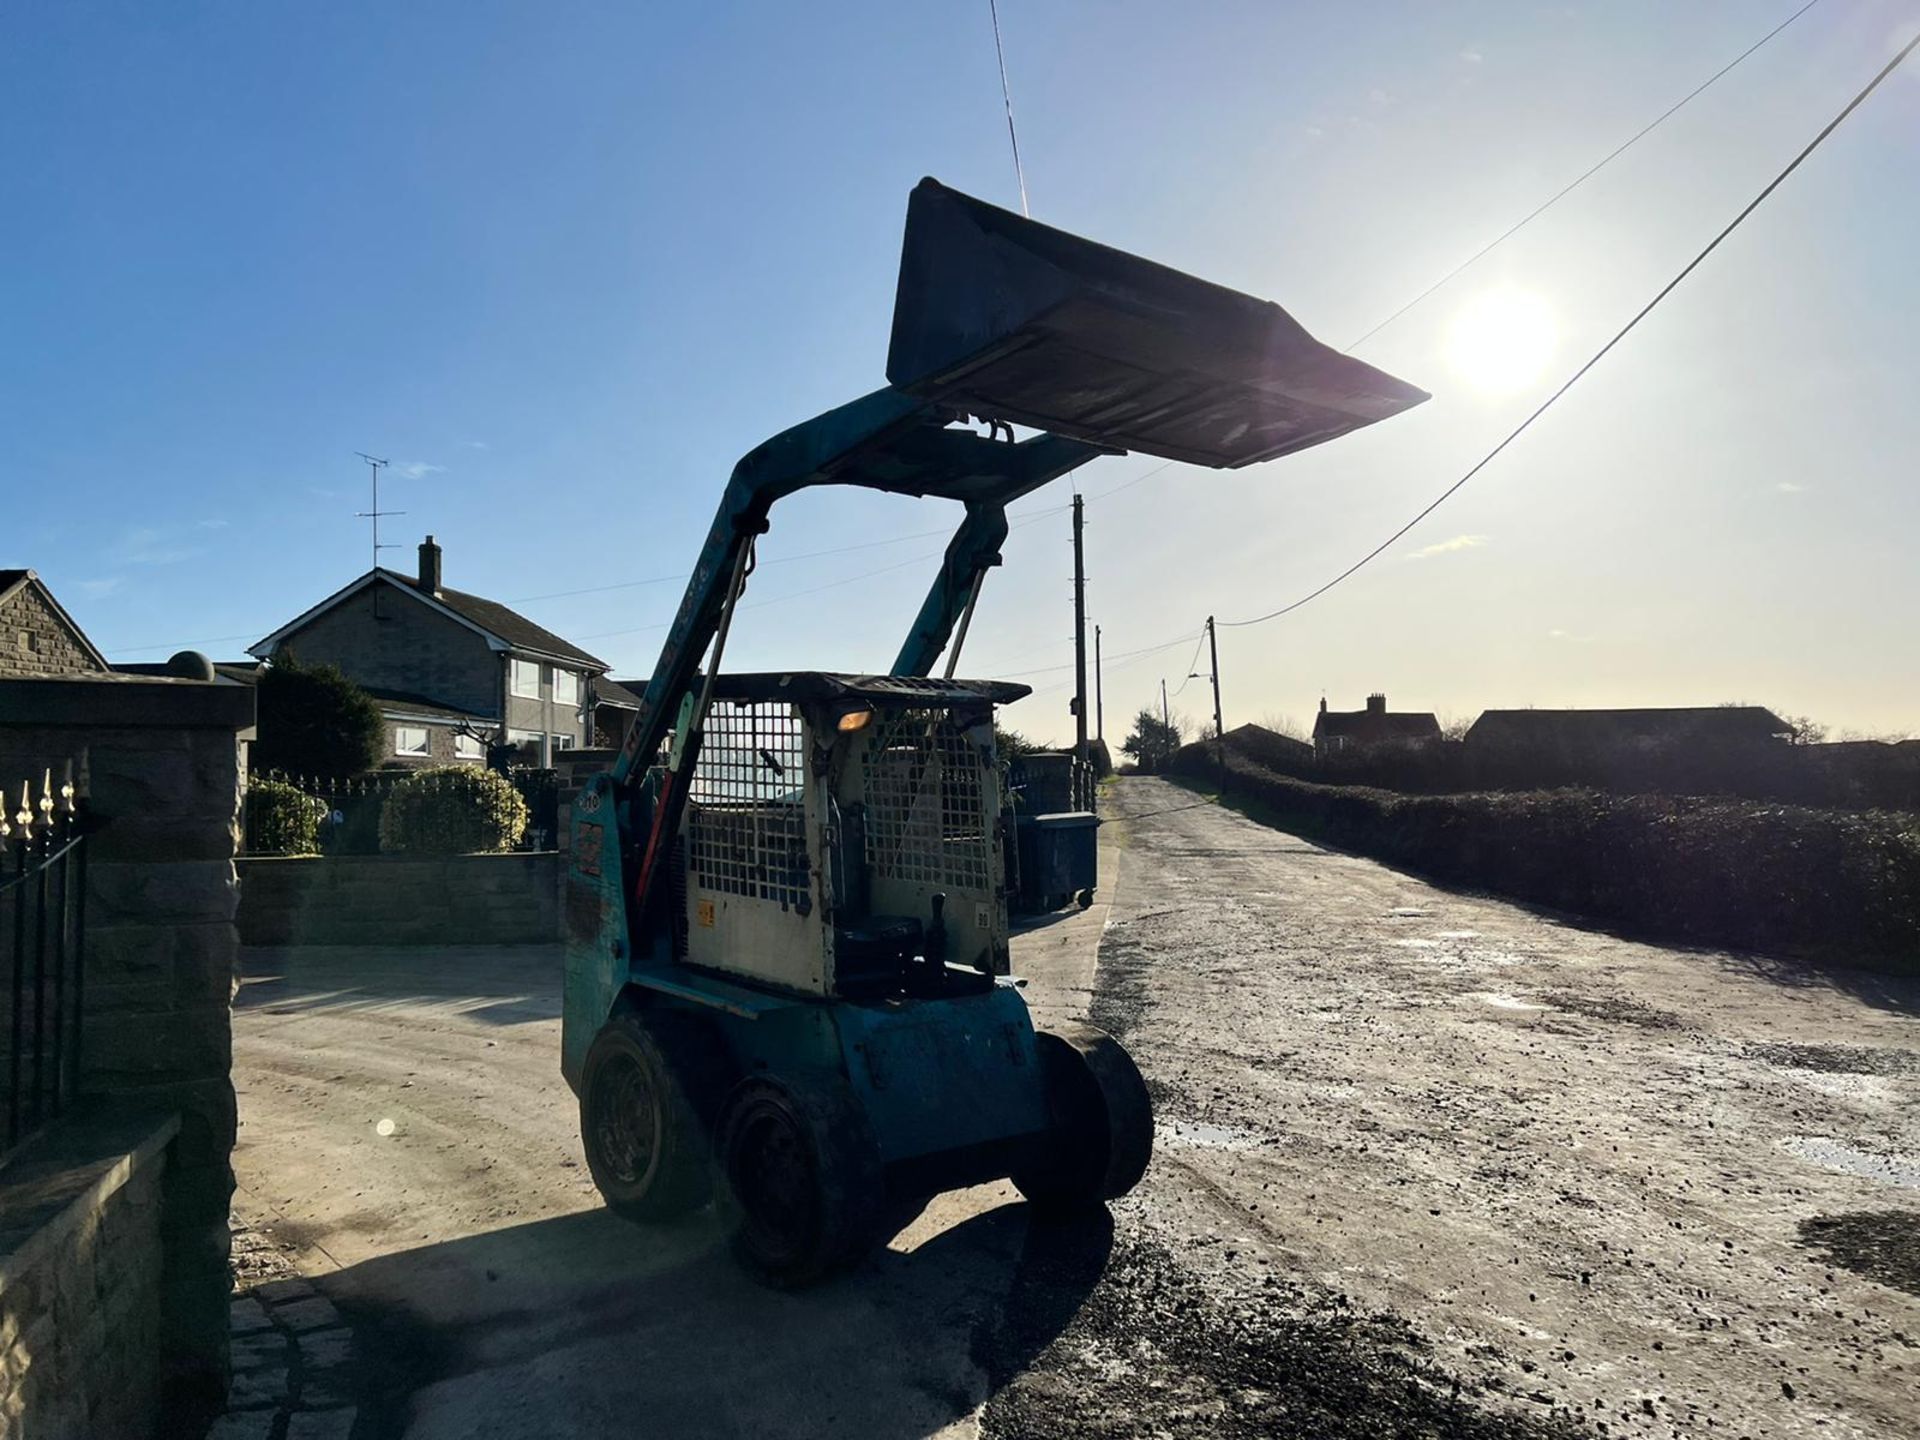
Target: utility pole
<point>1166,715</point>
<point>1079,632</point>
<point>1099,704</point>
<point>1213,650</point>
<point>376,466</point>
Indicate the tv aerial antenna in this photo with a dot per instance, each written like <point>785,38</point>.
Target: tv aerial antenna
<point>376,465</point>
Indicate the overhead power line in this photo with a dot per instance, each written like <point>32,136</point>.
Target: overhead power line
<point>1583,177</point>
<point>1188,677</point>
<point>1006,94</point>
<point>1601,353</point>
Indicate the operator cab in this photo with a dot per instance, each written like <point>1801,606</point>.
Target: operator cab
<point>843,837</point>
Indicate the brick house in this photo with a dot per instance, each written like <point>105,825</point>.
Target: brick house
<point>450,671</point>
<point>38,639</point>
<point>1339,732</point>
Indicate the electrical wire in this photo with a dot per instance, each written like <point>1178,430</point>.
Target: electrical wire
<point>1006,94</point>
<point>1583,177</point>
<point>1598,355</point>
<point>1028,518</point>
<point>1190,664</point>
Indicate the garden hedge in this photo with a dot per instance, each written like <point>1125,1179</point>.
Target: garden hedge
<point>282,819</point>
<point>452,810</point>
<point>1844,884</point>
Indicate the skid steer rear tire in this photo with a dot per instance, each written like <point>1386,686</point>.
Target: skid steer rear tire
<point>645,1109</point>
<point>800,1180</point>
<point>1100,1131</point>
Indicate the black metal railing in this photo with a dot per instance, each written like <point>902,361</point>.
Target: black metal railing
<point>43,938</point>
<point>349,808</point>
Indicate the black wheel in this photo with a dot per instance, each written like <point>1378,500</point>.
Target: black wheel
<point>1100,1131</point>
<point>1085,898</point>
<point>645,1104</point>
<point>800,1175</point>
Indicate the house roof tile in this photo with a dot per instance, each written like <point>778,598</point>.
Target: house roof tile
<point>509,625</point>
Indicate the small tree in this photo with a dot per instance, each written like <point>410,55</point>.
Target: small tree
<point>1804,730</point>
<point>1009,743</point>
<point>1152,742</point>
<point>315,721</point>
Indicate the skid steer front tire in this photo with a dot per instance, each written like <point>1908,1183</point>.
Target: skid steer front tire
<point>642,1117</point>
<point>1100,1123</point>
<point>799,1176</point>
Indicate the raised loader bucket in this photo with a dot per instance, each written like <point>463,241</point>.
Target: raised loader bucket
<point>1012,320</point>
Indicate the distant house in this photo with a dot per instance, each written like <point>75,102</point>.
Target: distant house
<point>1340,732</point>
<point>1575,736</point>
<point>1270,747</point>
<point>450,671</point>
<point>38,639</point>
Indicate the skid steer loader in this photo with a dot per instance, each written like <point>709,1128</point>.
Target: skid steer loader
<point>787,962</point>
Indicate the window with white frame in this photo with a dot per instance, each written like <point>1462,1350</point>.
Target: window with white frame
<point>525,679</point>
<point>411,740</point>
<point>468,747</point>
<point>535,738</point>
<point>566,687</point>
<point>563,742</point>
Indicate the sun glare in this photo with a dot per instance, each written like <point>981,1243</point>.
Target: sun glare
<point>1501,340</point>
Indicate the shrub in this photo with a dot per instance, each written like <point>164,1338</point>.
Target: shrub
<point>282,819</point>
<point>1720,872</point>
<point>314,721</point>
<point>454,810</point>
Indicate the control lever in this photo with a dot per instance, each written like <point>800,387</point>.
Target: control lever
<point>936,942</point>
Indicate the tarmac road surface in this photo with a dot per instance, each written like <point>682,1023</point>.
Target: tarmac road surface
<point>1427,1164</point>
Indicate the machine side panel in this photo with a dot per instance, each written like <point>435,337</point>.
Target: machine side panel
<point>944,1075</point>
<point>594,920</point>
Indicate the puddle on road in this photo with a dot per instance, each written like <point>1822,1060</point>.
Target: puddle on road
<point>1210,1136</point>
<point>1834,1155</point>
<point>1865,1088</point>
<point>1502,1002</point>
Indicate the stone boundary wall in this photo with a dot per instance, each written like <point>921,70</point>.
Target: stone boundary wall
<point>400,899</point>
<point>162,762</point>
<point>81,1277</point>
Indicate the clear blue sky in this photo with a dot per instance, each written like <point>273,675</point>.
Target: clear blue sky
<point>564,263</point>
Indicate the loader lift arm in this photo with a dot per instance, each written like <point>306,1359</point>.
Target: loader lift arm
<point>887,441</point>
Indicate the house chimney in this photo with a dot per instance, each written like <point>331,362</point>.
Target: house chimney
<point>429,576</point>
<point>1376,704</point>
<point>1323,704</point>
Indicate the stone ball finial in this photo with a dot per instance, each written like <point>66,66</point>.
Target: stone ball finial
<point>191,665</point>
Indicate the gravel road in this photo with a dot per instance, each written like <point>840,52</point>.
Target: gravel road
<point>1428,1165</point>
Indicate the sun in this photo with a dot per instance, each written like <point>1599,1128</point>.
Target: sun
<point>1501,340</point>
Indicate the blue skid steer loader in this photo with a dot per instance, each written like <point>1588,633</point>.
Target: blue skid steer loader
<point>786,908</point>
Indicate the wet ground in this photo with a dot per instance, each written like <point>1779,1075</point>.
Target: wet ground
<point>1428,1165</point>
